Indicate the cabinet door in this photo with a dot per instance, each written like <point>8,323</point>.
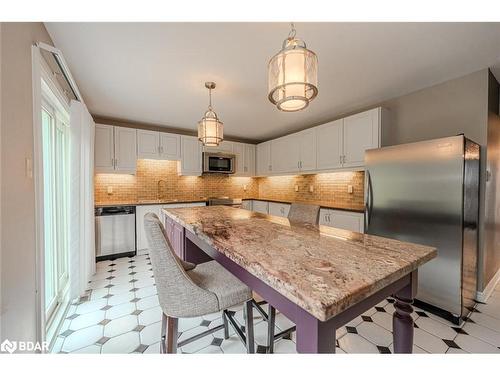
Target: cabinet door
<point>285,154</point>
<point>307,144</point>
<point>148,144</point>
<point>142,242</point>
<point>264,166</point>
<point>104,149</point>
<point>279,209</point>
<point>170,146</point>
<point>325,217</point>
<point>347,220</point>
<point>249,160</point>
<point>125,149</point>
<point>224,146</point>
<point>239,152</point>
<point>361,133</point>
<point>190,156</point>
<point>247,205</point>
<point>329,145</point>
<point>261,206</point>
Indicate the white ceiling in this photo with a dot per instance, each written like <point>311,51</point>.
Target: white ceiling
<point>155,73</point>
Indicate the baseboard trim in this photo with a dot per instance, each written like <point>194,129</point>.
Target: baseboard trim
<point>486,293</point>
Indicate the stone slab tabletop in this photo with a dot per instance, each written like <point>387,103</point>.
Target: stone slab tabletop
<point>323,270</point>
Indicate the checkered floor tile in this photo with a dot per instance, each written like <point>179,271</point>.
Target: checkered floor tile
<point>120,314</point>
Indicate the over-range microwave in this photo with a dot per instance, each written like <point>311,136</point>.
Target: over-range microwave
<point>216,162</point>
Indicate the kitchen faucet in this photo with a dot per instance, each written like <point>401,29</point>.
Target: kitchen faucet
<point>158,189</point>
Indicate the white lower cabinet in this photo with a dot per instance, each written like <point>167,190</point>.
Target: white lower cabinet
<point>140,211</point>
<point>352,221</point>
<point>261,206</point>
<point>279,209</point>
<point>247,205</point>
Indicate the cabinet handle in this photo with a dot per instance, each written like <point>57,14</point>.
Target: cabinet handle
<point>340,157</point>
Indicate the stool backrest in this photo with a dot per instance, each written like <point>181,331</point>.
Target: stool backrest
<point>304,213</point>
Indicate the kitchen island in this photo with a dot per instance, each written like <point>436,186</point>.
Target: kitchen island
<point>319,277</point>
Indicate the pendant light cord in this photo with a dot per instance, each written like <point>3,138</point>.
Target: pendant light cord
<point>293,32</point>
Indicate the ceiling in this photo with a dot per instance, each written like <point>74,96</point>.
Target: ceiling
<point>155,72</point>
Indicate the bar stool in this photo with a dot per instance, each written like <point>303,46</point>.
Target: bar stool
<point>301,214</point>
<point>186,290</point>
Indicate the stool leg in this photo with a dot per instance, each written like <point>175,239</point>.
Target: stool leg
<point>163,347</point>
<point>249,327</point>
<point>226,324</point>
<point>270,329</point>
<point>171,345</point>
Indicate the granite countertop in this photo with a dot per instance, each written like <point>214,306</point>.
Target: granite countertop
<point>323,204</point>
<point>323,270</point>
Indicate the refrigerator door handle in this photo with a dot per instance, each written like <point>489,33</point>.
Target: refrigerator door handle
<point>368,199</point>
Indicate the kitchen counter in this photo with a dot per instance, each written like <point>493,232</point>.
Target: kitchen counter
<point>323,270</point>
<point>323,204</point>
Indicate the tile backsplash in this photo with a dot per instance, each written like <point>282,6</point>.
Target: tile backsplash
<point>159,178</point>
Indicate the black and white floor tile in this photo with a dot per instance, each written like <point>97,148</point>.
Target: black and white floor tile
<point>120,314</point>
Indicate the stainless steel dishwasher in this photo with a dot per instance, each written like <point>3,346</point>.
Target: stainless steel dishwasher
<point>115,232</point>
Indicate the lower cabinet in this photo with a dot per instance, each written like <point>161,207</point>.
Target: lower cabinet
<point>352,221</point>
<point>247,205</point>
<point>261,206</point>
<point>141,240</point>
<point>279,209</point>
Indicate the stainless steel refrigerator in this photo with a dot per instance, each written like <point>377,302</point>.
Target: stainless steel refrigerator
<point>428,193</point>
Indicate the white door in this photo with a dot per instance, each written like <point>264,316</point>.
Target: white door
<point>264,166</point>
<point>125,149</point>
<point>361,133</point>
<point>307,144</point>
<point>148,144</point>
<point>224,146</point>
<point>170,146</point>
<point>249,160</point>
<point>247,205</point>
<point>261,206</point>
<point>329,145</point>
<point>190,156</point>
<point>239,152</point>
<point>104,149</point>
<point>325,217</point>
<point>285,154</point>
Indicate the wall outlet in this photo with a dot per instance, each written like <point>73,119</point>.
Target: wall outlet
<point>244,188</point>
<point>110,190</point>
<point>311,188</point>
<point>350,189</point>
<point>296,187</point>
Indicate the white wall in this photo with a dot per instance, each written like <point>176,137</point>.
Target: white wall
<point>18,259</point>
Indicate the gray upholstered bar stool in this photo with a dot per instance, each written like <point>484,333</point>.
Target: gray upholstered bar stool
<point>301,214</point>
<point>186,290</point>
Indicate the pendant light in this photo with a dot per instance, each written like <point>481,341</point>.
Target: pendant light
<point>210,128</point>
<point>293,75</point>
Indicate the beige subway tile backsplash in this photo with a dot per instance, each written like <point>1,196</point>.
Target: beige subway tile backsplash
<point>159,179</point>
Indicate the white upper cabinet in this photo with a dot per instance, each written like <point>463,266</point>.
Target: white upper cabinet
<point>104,154</point>
<point>335,145</point>
<point>190,164</point>
<point>125,149</point>
<point>307,150</point>
<point>264,163</point>
<point>224,147</point>
<point>329,145</point>
<point>361,133</point>
<point>170,146</point>
<point>158,145</point>
<point>249,166</point>
<point>285,154</point>
<point>148,144</point>
<point>245,159</point>
<point>115,149</point>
